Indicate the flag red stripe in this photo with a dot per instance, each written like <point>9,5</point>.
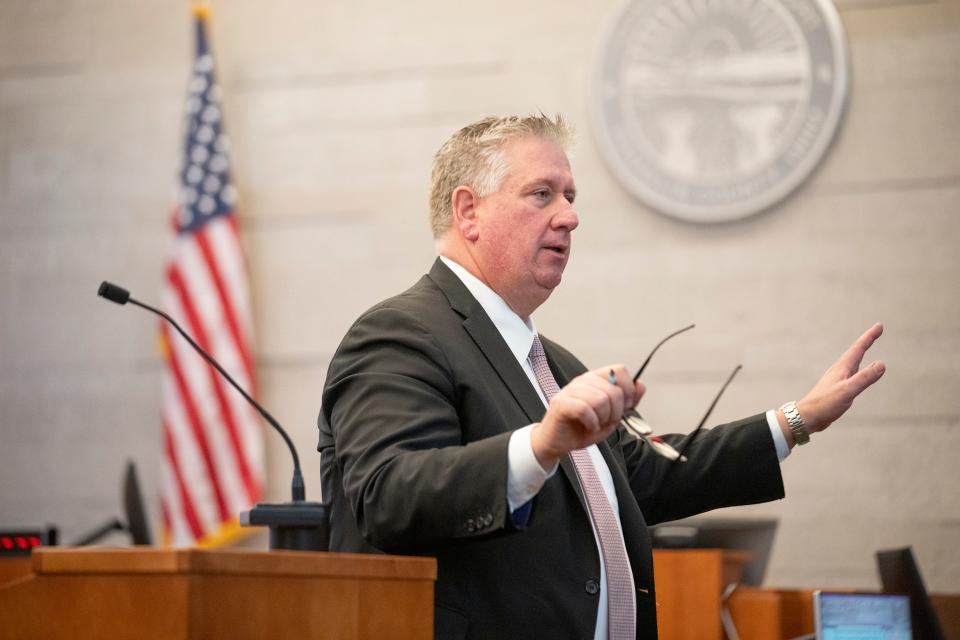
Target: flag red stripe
<point>203,242</point>
<point>196,426</point>
<point>216,381</point>
<point>186,500</point>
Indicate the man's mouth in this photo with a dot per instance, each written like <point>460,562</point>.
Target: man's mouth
<point>558,249</point>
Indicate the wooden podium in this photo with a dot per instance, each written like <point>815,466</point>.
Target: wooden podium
<point>689,587</point>
<point>229,594</point>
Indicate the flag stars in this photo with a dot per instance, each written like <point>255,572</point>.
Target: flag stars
<point>211,184</point>
<point>198,84</point>
<point>205,134</point>
<point>204,64</point>
<point>207,205</point>
<point>211,114</point>
<point>206,190</point>
<point>199,154</point>
<point>218,163</point>
<point>194,174</point>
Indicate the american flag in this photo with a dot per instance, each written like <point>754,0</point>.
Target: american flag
<point>212,466</point>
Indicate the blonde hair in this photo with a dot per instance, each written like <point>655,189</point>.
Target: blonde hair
<point>474,157</point>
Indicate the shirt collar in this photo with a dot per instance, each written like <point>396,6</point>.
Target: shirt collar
<point>516,333</point>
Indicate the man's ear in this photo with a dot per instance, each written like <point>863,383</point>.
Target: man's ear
<point>464,202</point>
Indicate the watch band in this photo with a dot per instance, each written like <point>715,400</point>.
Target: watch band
<point>797,426</point>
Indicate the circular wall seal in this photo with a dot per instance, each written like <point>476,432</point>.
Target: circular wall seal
<point>713,110</point>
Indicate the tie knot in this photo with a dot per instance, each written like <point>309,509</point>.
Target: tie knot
<point>536,349</point>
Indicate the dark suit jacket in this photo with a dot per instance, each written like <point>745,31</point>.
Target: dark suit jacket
<point>418,407</point>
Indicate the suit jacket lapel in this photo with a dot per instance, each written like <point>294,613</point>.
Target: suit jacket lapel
<point>485,335</point>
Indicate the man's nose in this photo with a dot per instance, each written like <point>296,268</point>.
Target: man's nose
<point>567,219</point>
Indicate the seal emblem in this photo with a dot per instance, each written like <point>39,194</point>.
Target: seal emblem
<point>714,110</point>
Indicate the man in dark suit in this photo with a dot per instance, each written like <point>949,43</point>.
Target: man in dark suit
<point>443,427</point>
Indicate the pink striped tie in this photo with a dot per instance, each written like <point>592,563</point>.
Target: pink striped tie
<point>620,603</point>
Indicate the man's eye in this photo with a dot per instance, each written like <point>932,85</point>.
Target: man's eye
<point>543,194</point>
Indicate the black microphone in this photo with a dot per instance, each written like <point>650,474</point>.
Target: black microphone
<point>113,293</point>
<point>295,525</point>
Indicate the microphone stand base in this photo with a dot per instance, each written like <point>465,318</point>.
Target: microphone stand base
<point>294,526</point>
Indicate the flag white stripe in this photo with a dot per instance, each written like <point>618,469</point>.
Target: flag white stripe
<point>225,249</point>
<point>225,246</point>
<point>201,286</point>
<point>199,380</point>
<point>247,422</point>
<point>196,481</point>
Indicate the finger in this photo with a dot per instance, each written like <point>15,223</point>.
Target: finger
<point>619,378</point>
<point>854,355</point>
<point>623,381</point>
<point>640,389</point>
<point>864,378</point>
<point>616,407</point>
<point>585,414</point>
<point>610,382</point>
<point>572,414</point>
<point>597,396</point>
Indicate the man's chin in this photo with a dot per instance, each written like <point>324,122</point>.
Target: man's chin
<point>549,282</point>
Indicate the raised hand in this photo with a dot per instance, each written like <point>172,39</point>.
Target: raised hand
<point>835,392</point>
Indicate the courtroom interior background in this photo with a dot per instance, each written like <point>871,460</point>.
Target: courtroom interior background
<point>335,110</point>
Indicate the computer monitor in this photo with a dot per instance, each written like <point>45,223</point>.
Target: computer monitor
<point>899,573</point>
<point>755,535</point>
<point>133,508</point>
<point>861,616</point>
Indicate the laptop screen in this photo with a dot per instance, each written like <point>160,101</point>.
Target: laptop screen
<point>862,616</point>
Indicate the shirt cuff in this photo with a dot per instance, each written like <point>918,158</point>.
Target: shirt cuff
<point>525,476</point>
<point>779,440</point>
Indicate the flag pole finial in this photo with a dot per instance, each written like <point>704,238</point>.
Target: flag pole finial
<point>200,10</point>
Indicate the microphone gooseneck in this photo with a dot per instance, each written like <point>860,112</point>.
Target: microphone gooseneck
<point>120,295</point>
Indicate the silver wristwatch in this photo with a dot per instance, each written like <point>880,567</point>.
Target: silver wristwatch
<point>797,426</point>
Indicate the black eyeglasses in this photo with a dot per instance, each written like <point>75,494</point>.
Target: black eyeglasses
<point>636,425</point>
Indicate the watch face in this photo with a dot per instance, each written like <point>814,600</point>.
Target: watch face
<point>795,421</point>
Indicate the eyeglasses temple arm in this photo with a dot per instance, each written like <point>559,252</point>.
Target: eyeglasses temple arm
<point>689,439</point>
<point>659,344</point>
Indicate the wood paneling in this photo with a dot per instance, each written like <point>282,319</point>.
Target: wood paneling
<point>215,595</point>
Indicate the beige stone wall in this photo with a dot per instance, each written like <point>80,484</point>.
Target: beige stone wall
<point>335,109</point>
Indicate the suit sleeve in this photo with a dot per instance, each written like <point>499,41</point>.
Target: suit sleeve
<point>391,401</point>
<point>728,465</point>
